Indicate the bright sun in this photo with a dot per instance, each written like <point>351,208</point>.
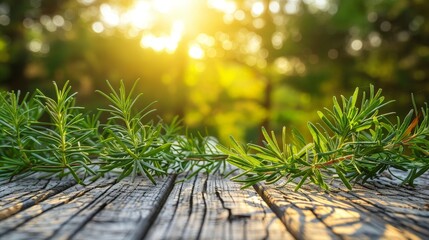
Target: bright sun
<point>140,19</point>
<point>162,25</point>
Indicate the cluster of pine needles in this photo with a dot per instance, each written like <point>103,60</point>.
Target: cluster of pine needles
<point>354,142</point>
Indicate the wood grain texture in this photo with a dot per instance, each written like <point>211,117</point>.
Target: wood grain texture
<point>42,219</point>
<point>130,213</point>
<point>379,209</point>
<point>18,196</point>
<point>101,210</point>
<point>212,207</point>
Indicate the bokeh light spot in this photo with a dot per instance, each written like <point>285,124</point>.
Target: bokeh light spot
<point>98,27</point>
<point>257,9</point>
<point>58,20</point>
<point>356,45</point>
<point>292,7</point>
<point>274,7</point>
<point>109,15</point>
<point>385,26</point>
<point>196,52</point>
<point>239,15</point>
<point>333,53</point>
<point>4,20</point>
<point>374,39</point>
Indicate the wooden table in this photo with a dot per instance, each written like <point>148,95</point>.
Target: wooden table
<point>210,207</point>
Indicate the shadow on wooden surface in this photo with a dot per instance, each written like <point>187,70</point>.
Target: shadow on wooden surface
<point>381,209</point>
<point>210,207</point>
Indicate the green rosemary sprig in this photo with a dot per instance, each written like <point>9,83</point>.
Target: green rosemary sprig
<point>191,152</point>
<point>196,153</point>
<point>353,142</point>
<point>149,149</point>
<point>129,144</point>
<point>17,140</point>
<point>62,141</point>
<point>350,144</point>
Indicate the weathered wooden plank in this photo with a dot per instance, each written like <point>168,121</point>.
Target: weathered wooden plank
<point>212,207</point>
<point>102,210</point>
<point>246,212</point>
<point>380,209</point>
<point>34,215</point>
<point>402,207</point>
<point>295,210</point>
<point>18,196</point>
<point>26,185</point>
<point>130,213</point>
<point>10,191</point>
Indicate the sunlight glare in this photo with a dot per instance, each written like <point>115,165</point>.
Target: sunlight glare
<point>166,43</point>
<point>225,6</point>
<point>163,6</point>
<point>177,29</point>
<point>109,15</point>
<point>140,15</point>
<point>144,15</point>
<point>175,16</point>
<point>206,40</point>
<point>257,9</point>
<point>196,52</point>
<point>173,6</point>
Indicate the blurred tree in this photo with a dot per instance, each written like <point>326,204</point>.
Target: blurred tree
<point>12,41</point>
<point>229,65</point>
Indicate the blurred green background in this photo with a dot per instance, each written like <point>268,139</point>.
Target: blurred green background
<point>222,65</point>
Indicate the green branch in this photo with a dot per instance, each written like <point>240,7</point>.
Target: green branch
<point>350,144</point>
<point>353,142</point>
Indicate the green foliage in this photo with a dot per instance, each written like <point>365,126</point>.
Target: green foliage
<point>267,75</point>
<point>59,146</point>
<point>353,143</point>
<point>17,140</point>
<point>150,149</point>
<point>62,139</point>
<point>130,144</point>
<point>74,142</point>
<point>198,153</point>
